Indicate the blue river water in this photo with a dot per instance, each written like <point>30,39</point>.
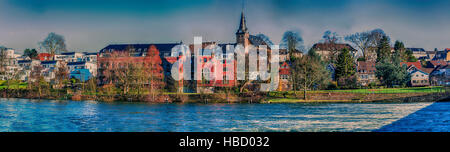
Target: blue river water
<point>24,115</point>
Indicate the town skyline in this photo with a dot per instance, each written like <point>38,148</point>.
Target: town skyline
<point>91,26</point>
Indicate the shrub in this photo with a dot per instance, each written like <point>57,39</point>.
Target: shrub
<point>332,85</point>
<point>347,82</point>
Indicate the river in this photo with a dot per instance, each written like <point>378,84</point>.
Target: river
<point>25,115</point>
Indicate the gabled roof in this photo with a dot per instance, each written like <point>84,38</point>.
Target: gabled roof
<point>427,70</point>
<point>257,41</point>
<point>421,71</point>
<point>441,55</point>
<point>408,64</point>
<point>435,63</point>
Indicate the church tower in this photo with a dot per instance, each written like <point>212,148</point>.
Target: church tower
<point>242,33</point>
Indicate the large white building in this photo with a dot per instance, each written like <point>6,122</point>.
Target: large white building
<point>9,64</point>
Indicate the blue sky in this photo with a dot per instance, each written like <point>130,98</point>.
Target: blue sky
<point>89,25</point>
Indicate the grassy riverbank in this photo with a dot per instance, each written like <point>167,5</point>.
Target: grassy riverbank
<point>362,95</point>
<point>418,94</point>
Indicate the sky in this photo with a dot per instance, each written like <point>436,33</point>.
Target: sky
<point>90,25</point>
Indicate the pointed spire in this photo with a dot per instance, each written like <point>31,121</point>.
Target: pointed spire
<point>242,25</point>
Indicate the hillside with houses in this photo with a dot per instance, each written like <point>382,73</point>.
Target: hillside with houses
<point>144,71</point>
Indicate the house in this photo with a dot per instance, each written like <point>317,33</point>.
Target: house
<point>412,66</point>
<point>69,56</point>
<point>80,74</point>
<point>430,55</point>
<point>45,57</point>
<point>220,76</point>
<point>443,55</point>
<point>89,66</point>
<point>135,53</point>
<point>366,72</point>
<point>440,76</point>
<point>418,52</point>
<point>89,57</point>
<point>9,63</point>
<point>285,74</point>
<point>330,51</point>
<point>419,78</point>
<point>49,69</point>
<point>436,63</point>
<point>26,66</point>
<point>419,74</point>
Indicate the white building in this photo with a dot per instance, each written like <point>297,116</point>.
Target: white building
<point>9,64</point>
<point>92,67</point>
<point>26,66</point>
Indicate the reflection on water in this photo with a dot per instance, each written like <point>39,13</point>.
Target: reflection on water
<point>34,115</point>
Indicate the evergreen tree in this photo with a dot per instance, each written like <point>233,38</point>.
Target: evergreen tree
<point>400,50</point>
<point>345,66</point>
<point>409,56</point>
<point>31,53</point>
<point>313,54</point>
<point>389,71</point>
<point>384,50</point>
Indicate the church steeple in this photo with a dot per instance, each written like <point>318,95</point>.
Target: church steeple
<point>242,26</point>
<point>242,34</point>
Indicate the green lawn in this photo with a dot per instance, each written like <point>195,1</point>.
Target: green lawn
<point>13,85</point>
<point>434,89</point>
<point>394,90</point>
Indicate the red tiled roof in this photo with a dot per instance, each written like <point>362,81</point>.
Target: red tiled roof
<point>437,62</point>
<point>44,56</point>
<point>416,64</point>
<point>427,70</point>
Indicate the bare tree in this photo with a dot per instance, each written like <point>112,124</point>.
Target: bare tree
<point>365,40</point>
<point>53,44</point>
<point>294,43</point>
<point>330,37</point>
<point>3,60</point>
<point>361,40</point>
<point>309,72</point>
<point>36,80</point>
<point>61,75</point>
